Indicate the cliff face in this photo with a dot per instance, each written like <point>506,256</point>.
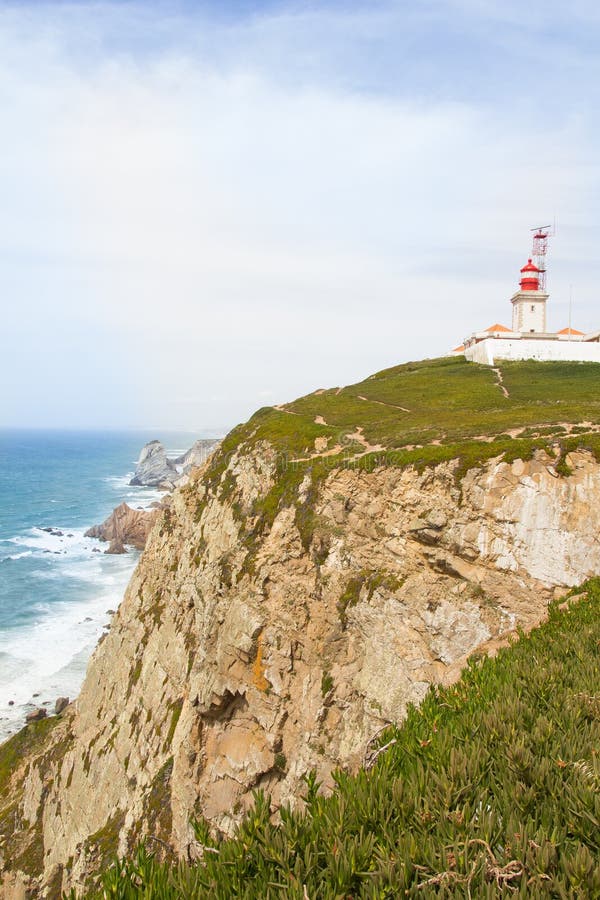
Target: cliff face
<point>258,641</point>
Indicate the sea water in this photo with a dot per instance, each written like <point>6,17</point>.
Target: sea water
<point>56,590</point>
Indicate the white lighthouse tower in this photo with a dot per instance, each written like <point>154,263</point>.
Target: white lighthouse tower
<point>529,303</point>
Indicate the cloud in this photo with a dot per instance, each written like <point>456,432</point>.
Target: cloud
<point>204,211</point>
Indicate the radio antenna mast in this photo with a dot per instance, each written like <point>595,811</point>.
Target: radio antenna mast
<point>539,251</point>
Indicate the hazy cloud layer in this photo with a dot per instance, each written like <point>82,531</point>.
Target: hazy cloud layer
<point>211,207</point>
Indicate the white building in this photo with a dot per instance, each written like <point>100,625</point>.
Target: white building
<point>528,338</point>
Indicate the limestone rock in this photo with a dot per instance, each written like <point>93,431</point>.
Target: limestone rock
<point>116,547</point>
<point>153,467</point>
<point>196,456</point>
<point>60,705</point>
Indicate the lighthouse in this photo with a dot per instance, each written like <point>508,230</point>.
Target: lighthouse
<point>529,303</point>
<point>529,338</point>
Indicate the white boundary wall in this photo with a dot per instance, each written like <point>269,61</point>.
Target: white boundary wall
<point>487,351</point>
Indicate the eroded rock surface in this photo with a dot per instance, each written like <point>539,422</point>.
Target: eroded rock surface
<point>125,526</point>
<point>153,467</point>
<point>242,658</point>
<point>196,455</point>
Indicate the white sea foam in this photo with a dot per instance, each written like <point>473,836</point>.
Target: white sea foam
<point>119,482</point>
<point>15,556</point>
<point>71,541</point>
<point>47,657</point>
<point>132,494</point>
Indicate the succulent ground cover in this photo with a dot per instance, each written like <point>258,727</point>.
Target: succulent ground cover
<point>491,788</point>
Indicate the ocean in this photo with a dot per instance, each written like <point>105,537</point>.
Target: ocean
<point>56,590</point>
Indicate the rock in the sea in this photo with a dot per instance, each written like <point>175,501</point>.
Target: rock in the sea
<point>124,526</point>
<point>153,468</point>
<point>61,703</point>
<point>36,715</point>
<point>116,547</point>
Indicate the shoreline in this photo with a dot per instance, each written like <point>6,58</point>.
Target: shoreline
<point>35,675</point>
<point>93,581</point>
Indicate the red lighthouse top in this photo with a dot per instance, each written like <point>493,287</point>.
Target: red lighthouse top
<point>530,277</point>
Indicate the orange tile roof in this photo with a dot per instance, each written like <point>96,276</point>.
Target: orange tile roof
<point>497,327</point>
<point>569,331</point>
<point>459,349</point>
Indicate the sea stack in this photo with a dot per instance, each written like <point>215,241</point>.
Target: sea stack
<point>153,468</point>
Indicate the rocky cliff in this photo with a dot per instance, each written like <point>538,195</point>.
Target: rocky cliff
<point>283,611</point>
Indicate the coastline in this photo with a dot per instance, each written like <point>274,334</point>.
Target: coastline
<point>44,652</point>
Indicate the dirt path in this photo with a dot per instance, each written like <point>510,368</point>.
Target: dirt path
<point>383,403</point>
<point>356,436</point>
<point>359,437</point>
<point>590,427</point>
<point>499,382</point>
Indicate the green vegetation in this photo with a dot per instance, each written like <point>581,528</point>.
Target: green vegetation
<point>408,407</point>
<point>350,597</point>
<point>158,802</point>
<point>22,841</point>
<point>105,841</point>
<point>135,675</point>
<point>280,761</point>
<point>175,708</point>
<point>167,524</point>
<point>444,399</point>
<point>326,684</point>
<point>370,581</point>
<point>491,788</point>
<point>26,742</point>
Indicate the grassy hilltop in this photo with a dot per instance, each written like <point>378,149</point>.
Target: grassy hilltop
<point>435,409</point>
<point>452,400</point>
<point>419,414</point>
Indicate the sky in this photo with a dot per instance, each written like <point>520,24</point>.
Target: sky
<point>209,207</point>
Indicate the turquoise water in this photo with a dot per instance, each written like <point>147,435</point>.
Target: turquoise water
<point>56,589</point>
